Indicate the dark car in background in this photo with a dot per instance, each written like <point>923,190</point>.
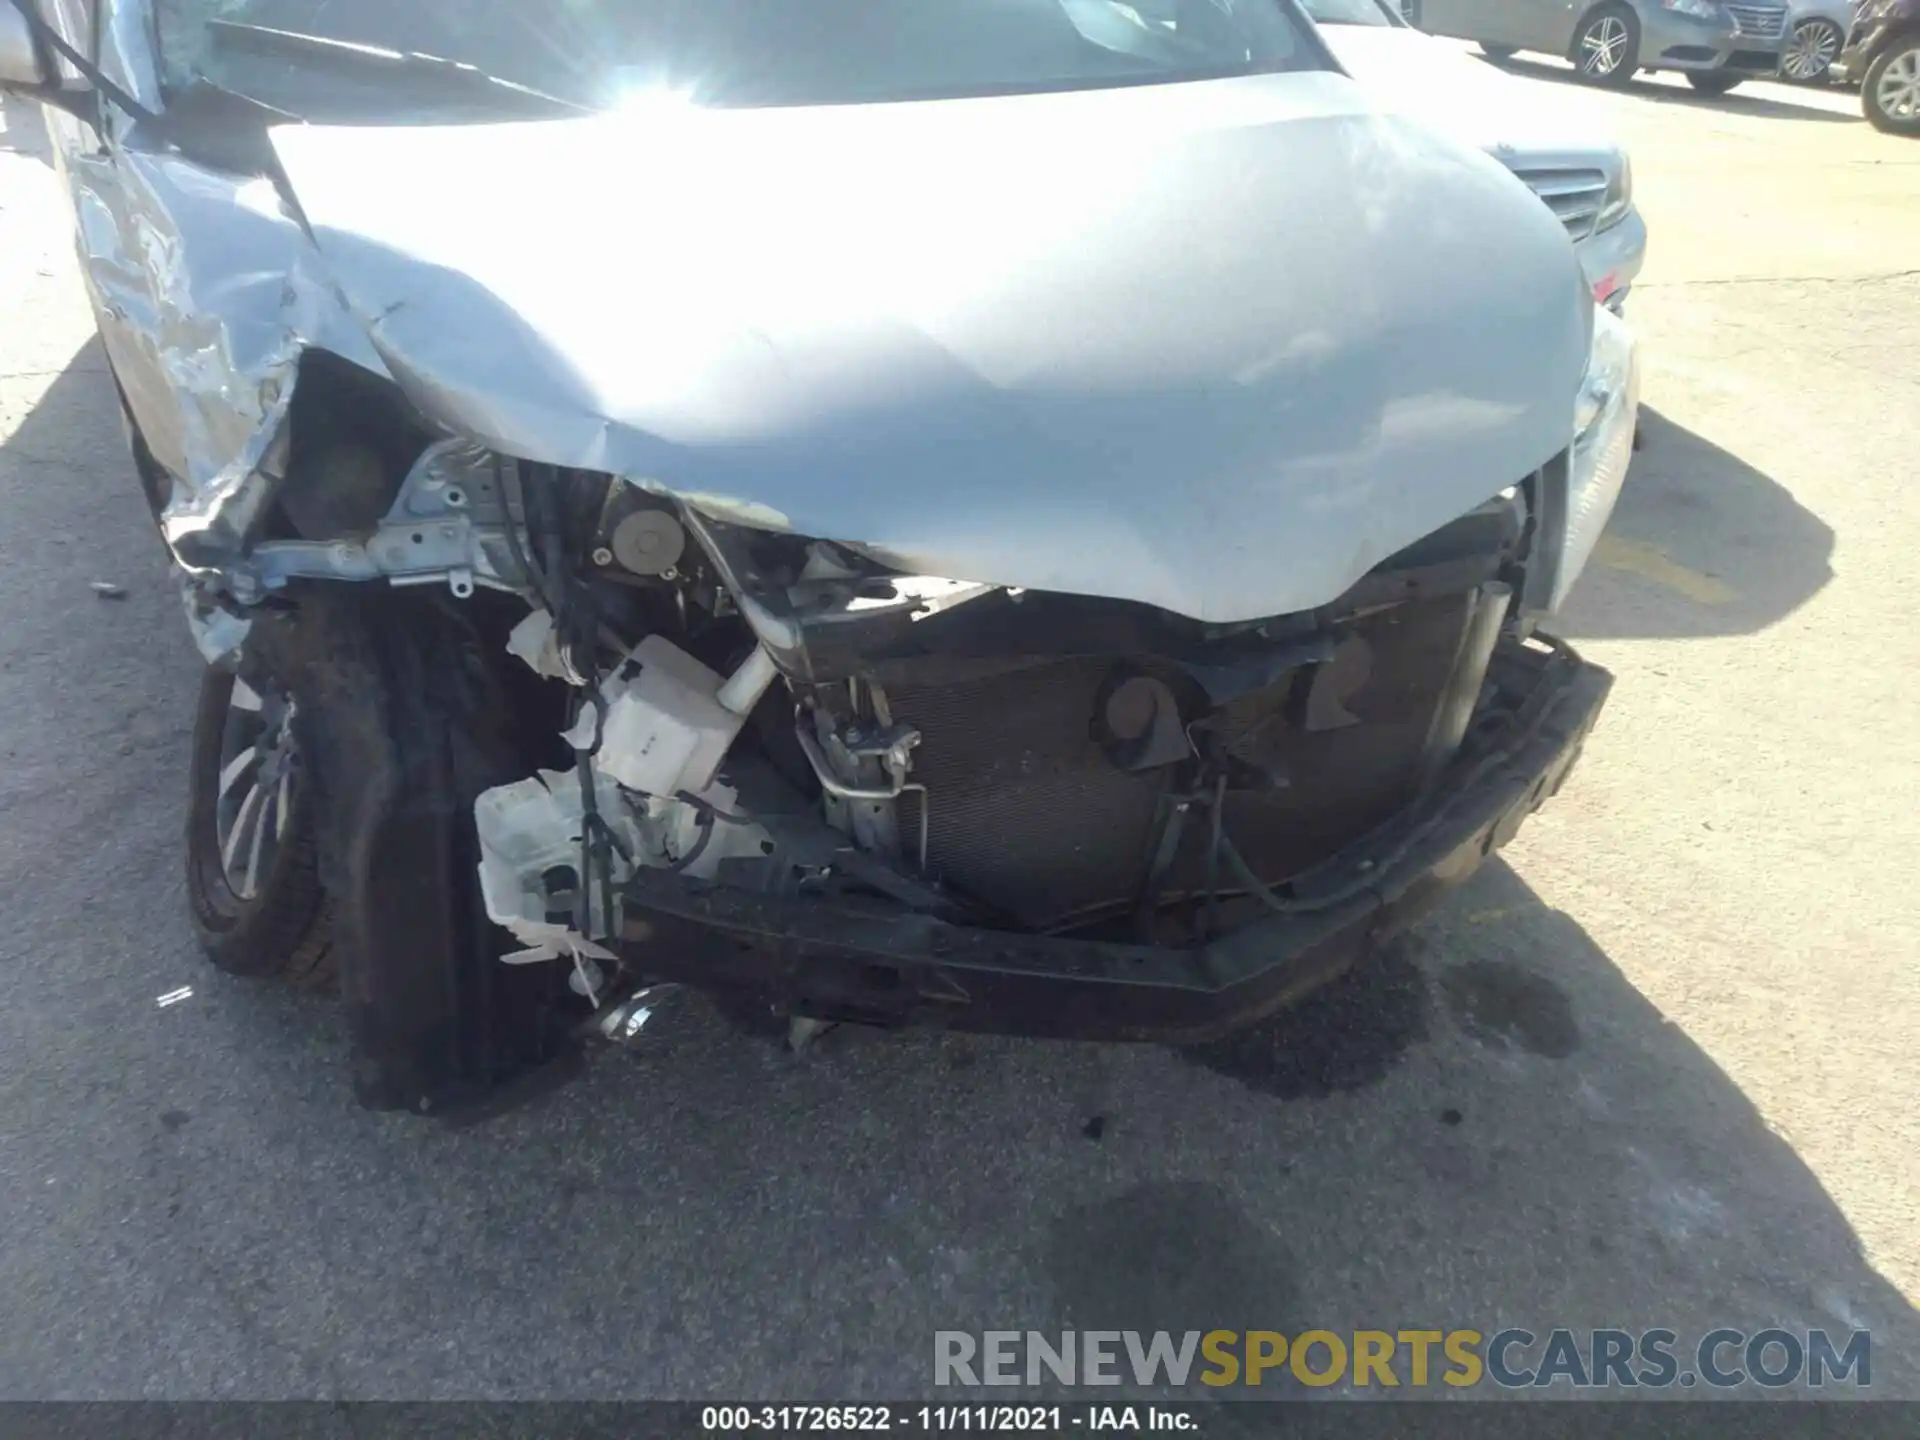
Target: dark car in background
<point>1715,45</point>
<point>1883,55</point>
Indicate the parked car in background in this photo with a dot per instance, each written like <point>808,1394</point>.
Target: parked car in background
<point>1715,45</point>
<point>1565,157</point>
<point>1816,33</point>
<point>1883,54</point>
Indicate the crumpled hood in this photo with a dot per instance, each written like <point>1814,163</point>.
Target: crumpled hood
<point>1216,347</point>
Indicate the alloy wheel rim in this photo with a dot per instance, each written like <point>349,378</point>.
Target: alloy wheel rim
<point>259,769</point>
<point>1815,43</point>
<point>1899,90</point>
<point>1603,46</point>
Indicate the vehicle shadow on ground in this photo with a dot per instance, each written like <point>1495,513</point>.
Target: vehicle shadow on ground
<point>23,129</point>
<point>1737,101</point>
<point>1700,544</point>
<point>1488,1125</point>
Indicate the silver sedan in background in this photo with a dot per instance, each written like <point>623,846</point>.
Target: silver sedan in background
<point>1816,33</point>
<point>1715,45</point>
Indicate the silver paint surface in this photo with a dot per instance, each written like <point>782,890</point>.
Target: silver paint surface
<point>1217,347</point>
<point>207,294</point>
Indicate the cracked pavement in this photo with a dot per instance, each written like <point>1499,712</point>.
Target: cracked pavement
<point>1656,1068</point>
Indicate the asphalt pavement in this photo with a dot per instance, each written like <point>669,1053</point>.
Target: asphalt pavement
<point>1655,1068</point>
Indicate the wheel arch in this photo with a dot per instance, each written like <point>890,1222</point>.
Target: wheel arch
<point>338,404</point>
<point>1898,33</point>
<point>1905,38</point>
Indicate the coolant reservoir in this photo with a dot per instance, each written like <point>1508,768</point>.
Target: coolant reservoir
<point>670,720</point>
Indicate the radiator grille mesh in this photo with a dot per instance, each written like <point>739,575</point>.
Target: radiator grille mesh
<point>1028,814</point>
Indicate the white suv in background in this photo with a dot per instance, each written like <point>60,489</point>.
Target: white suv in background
<point>1563,153</point>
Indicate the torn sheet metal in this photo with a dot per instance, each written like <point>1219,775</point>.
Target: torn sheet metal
<point>1219,348</point>
<point>217,630</point>
<point>207,293</point>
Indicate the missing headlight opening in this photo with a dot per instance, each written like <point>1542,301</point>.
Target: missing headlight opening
<point>856,794</point>
<point>779,768</point>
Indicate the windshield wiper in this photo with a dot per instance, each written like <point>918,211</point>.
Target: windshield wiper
<point>456,75</point>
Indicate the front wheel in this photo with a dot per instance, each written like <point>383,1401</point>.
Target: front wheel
<point>253,886</point>
<point>1713,82</point>
<point>1606,51</point>
<point>1812,51</point>
<point>1890,93</point>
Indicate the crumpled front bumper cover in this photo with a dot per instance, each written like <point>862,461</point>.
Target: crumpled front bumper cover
<point>836,960</point>
<point>1611,259</point>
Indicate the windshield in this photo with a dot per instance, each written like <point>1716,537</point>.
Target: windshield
<point>715,52</point>
<point>1347,12</point>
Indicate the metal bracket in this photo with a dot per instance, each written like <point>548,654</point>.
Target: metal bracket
<point>447,525</point>
<point>867,810</point>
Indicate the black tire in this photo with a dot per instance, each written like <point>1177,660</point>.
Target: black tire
<point>1610,31</point>
<point>1713,82</point>
<point>280,931</point>
<point>1904,52</point>
<point>1498,52</point>
<point>408,709</point>
<point>1816,45</point>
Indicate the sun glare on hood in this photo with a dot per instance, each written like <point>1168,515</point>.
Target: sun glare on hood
<point>647,99</point>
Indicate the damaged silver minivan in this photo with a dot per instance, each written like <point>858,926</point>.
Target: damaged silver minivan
<point>1022,515</point>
